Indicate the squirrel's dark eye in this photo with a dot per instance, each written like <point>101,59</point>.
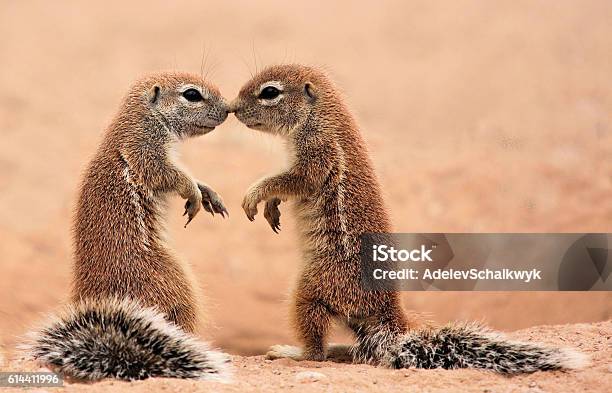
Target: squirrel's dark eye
<point>192,95</point>
<point>269,93</point>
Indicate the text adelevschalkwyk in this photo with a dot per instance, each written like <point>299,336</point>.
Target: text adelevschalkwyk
<point>384,253</point>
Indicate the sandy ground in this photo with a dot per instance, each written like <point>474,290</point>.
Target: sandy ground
<point>480,116</point>
<point>254,374</point>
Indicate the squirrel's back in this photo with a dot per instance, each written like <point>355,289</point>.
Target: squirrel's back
<point>117,231</point>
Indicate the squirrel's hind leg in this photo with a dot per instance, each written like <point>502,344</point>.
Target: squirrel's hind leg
<point>312,320</point>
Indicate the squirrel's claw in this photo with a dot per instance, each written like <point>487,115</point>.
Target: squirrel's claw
<point>250,208</point>
<point>250,211</point>
<point>191,209</point>
<point>211,201</point>
<point>208,207</point>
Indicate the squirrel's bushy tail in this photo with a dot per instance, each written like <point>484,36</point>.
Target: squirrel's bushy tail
<point>121,339</point>
<point>464,346</point>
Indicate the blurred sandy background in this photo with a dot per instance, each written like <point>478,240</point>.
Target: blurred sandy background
<point>481,116</point>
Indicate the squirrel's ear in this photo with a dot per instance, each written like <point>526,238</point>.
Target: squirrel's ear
<point>153,94</point>
<point>310,92</point>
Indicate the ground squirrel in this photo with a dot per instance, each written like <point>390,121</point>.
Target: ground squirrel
<point>337,198</point>
<point>126,279</point>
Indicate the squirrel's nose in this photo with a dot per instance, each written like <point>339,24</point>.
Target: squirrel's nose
<point>234,106</point>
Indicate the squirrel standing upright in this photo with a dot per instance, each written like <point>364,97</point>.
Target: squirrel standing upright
<point>337,198</point>
<point>133,304</point>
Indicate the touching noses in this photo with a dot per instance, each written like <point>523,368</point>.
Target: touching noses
<point>234,106</point>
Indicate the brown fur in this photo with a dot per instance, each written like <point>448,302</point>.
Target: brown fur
<point>120,248</point>
<point>337,198</point>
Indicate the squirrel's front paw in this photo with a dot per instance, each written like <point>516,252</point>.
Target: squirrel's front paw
<point>212,201</point>
<point>192,206</point>
<point>272,214</point>
<point>249,205</point>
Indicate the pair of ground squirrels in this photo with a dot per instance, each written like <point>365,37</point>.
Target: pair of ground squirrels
<point>134,302</point>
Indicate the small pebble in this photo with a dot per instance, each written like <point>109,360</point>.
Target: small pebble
<point>309,376</point>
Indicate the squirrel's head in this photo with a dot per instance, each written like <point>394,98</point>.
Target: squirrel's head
<point>184,103</point>
<point>280,98</point>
